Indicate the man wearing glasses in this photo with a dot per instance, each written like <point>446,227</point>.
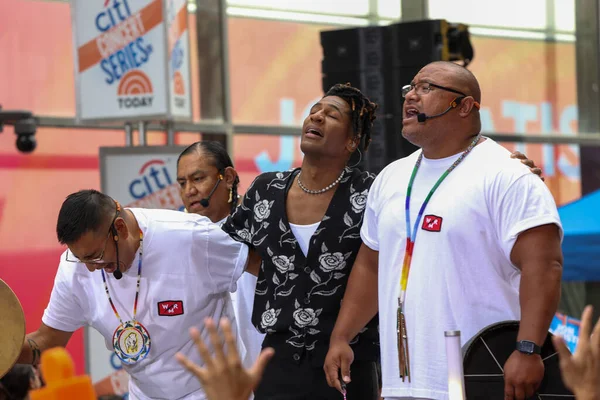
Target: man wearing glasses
<point>155,274</point>
<point>455,237</point>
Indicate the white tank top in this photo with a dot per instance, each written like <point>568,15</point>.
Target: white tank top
<point>303,233</point>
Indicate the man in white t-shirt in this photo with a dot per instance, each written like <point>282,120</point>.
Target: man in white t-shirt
<point>151,275</point>
<point>486,247</point>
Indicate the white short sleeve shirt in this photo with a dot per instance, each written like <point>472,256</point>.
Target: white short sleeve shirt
<point>188,267</point>
<point>461,277</point>
<point>243,303</point>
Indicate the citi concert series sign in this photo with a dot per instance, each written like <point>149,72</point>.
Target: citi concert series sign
<point>131,59</point>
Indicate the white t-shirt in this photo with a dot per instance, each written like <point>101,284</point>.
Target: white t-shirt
<point>303,233</point>
<point>461,277</point>
<point>243,302</point>
<point>188,264</point>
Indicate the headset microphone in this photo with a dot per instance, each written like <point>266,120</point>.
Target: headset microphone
<point>206,201</point>
<point>117,273</point>
<point>421,117</point>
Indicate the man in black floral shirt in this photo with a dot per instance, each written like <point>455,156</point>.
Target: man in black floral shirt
<point>305,225</point>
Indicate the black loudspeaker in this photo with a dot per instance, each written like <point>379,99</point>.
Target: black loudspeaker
<point>379,60</point>
<point>353,49</point>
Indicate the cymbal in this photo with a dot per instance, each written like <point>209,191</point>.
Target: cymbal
<point>12,331</point>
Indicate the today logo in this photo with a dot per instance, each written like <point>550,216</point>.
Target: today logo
<point>135,90</point>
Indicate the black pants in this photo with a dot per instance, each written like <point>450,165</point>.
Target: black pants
<point>287,380</point>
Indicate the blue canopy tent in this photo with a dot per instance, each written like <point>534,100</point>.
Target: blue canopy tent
<point>581,245</point>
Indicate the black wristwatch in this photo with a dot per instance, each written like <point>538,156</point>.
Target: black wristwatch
<point>528,347</point>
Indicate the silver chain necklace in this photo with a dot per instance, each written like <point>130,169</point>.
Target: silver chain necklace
<point>329,187</point>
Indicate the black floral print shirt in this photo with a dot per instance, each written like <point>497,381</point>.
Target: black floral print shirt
<point>298,297</point>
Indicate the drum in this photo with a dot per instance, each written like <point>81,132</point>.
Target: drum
<point>484,358</point>
<point>12,332</point>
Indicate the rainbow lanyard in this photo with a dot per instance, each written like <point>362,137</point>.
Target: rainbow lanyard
<point>137,292</point>
<point>403,356</point>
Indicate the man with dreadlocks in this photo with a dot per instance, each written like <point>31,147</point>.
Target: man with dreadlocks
<point>208,186</point>
<point>305,225</point>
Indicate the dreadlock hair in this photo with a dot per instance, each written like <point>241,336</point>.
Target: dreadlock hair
<point>219,158</point>
<point>363,111</point>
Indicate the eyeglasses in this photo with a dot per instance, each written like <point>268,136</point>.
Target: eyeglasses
<point>423,88</point>
<point>70,257</point>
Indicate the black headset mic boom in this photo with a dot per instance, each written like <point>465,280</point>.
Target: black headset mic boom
<point>206,201</point>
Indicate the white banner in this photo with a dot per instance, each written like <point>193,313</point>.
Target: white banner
<point>143,177</point>
<point>131,59</point>
<point>179,59</point>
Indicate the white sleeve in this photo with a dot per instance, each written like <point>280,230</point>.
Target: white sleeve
<point>368,231</point>
<point>224,258</point>
<point>63,311</point>
<point>525,204</point>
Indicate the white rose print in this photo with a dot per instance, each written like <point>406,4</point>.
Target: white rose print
<point>269,318</point>
<point>262,210</point>
<point>305,317</point>
<point>332,261</point>
<point>359,200</point>
<point>283,264</point>
<point>244,234</point>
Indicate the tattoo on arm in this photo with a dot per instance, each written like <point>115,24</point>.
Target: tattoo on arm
<point>35,350</point>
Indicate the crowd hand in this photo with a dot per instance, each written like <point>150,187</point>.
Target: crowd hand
<point>223,377</point>
<point>337,363</point>
<point>581,371</point>
<point>532,167</point>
